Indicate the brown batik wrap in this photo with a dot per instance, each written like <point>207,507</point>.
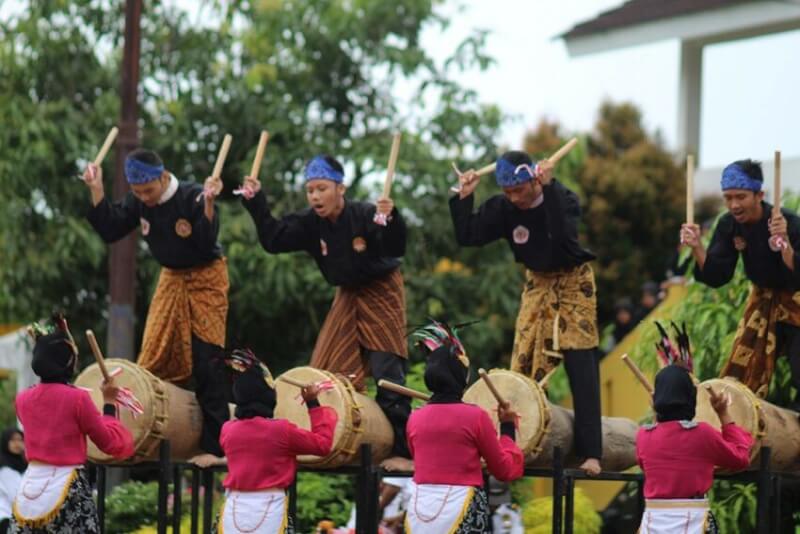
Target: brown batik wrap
<point>186,302</point>
<point>752,358</point>
<point>570,296</point>
<point>370,317</point>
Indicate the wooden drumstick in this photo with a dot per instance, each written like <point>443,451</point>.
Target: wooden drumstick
<point>223,153</point>
<point>776,205</point>
<point>638,373</point>
<point>690,189</point>
<point>563,151</point>
<point>98,355</point>
<point>402,390</point>
<point>485,376</point>
<point>101,155</point>
<point>545,378</point>
<point>387,182</point>
<point>483,171</point>
<point>293,382</point>
<point>262,145</point>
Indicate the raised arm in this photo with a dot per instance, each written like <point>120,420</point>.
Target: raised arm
<point>205,230</point>
<point>719,261</point>
<point>476,229</point>
<point>288,234</point>
<point>562,209</point>
<point>390,239</point>
<point>108,433</point>
<point>504,459</point>
<point>319,439</point>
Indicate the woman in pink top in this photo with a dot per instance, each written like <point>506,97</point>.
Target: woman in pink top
<point>678,455</point>
<point>448,438</point>
<point>54,494</point>
<point>262,452</point>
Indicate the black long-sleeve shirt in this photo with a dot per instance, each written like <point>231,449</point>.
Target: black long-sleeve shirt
<point>349,252</point>
<point>178,233</point>
<point>544,238</point>
<point>763,267</point>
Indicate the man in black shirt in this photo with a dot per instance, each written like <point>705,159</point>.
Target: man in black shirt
<point>538,217</point>
<point>185,326</point>
<point>366,325</point>
<point>767,241</point>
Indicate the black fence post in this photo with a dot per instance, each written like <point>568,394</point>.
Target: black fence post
<point>177,496</point>
<point>569,507</point>
<point>163,485</point>
<point>101,496</point>
<point>195,514</point>
<point>558,489</point>
<point>763,498</point>
<point>366,493</point>
<point>208,499</point>
<point>293,502</point>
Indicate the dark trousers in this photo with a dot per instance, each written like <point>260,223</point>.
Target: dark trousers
<point>787,338</point>
<point>396,407</point>
<point>210,389</point>
<point>583,372</point>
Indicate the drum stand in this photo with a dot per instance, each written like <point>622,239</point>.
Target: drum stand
<point>368,475</point>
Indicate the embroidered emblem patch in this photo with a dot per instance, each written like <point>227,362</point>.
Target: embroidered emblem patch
<point>323,246</point>
<point>359,244</point>
<point>145,224</point>
<point>183,228</point>
<point>520,235</point>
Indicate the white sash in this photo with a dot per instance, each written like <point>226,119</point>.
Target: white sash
<point>664,516</point>
<point>437,508</point>
<point>255,512</point>
<point>42,492</point>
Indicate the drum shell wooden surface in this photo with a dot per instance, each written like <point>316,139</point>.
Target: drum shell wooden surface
<point>170,412</point>
<point>544,425</point>
<point>360,419</point>
<point>770,425</point>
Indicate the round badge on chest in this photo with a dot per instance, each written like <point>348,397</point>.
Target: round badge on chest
<point>183,228</point>
<point>521,235</point>
<point>359,244</point>
<point>323,247</point>
<point>145,224</point>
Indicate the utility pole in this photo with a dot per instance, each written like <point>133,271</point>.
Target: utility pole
<point>122,261</point>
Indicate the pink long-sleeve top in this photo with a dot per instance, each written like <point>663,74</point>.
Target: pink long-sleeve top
<point>448,440</point>
<point>678,462</point>
<point>57,419</point>
<point>262,453</point>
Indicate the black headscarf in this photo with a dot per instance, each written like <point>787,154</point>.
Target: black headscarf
<point>54,358</point>
<point>7,458</point>
<point>675,394</point>
<point>445,376</point>
<point>252,395</point>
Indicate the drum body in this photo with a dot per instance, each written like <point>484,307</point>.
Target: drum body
<point>527,398</point>
<point>544,426</point>
<point>360,419</point>
<point>771,426</point>
<point>170,413</point>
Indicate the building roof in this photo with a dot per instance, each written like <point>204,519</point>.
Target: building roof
<point>636,12</point>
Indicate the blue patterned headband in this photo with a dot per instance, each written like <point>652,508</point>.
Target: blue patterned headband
<point>139,172</point>
<point>509,175</point>
<point>734,177</point>
<point>319,169</point>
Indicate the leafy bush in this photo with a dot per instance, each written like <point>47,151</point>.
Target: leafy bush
<point>537,515</point>
<point>323,496</point>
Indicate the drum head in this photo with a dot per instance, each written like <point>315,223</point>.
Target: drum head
<point>743,407</point>
<point>290,404</point>
<point>140,382</point>
<point>526,398</point>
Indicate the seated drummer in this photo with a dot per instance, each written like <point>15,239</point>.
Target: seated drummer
<point>678,456</point>
<point>55,494</point>
<point>262,452</point>
<point>365,329</point>
<point>448,438</point>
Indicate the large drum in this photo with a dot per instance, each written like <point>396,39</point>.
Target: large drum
<point>360,419</point>
<point>543,425</point>
<point>169,413</point>
<point>771,426</point>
